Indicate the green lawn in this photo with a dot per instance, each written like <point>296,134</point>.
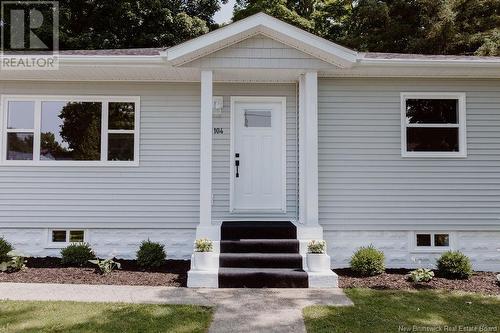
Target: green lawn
<point>101,317</point>
<point>399,311</point>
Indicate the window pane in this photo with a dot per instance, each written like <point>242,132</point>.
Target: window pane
<point>59,236</point>
<point>423,240</point>
<point>21,115</point>
<point>20,146</point>
<point>71,131</point>
<point>256,118</point>
<point>432,111</point>
<point>441,240</point>
<point>432,139</point>
<point>120,147</point>
<point>121,116</point>
<point>76,236</point>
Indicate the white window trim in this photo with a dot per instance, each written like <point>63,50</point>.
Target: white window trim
<point>462,129</point>
<point>432,248</point>
<point>38,99</point>
<point>49,244</point>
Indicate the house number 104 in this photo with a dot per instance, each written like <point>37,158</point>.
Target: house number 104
<point>218,130</point>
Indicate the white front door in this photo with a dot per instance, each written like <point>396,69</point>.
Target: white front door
<point>258,154</point>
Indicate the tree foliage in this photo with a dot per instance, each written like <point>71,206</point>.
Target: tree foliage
<point>109,24</point>
<point>406,26</point>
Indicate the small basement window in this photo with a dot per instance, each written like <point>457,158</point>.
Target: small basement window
<point>64,237</point>
<point>433,125</point>
<point>432,240</point>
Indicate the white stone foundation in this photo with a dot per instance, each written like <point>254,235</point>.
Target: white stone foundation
<point>119,243</point>
<point>482,247</point>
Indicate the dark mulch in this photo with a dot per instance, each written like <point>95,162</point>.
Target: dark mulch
<point>49,270</point>
<point>481,282</point>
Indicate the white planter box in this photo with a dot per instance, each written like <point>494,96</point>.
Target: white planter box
<point>318,262</point>
<point>205,261</point>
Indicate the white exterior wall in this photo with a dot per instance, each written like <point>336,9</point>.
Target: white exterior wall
<point>121,206</point>
<point>369,194</point>
<point>365,184</point>
<point>118,206</point>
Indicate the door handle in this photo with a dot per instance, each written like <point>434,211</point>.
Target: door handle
<point>237,164</point>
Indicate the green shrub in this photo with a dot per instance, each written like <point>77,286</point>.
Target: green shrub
<point>421,275</point>
<point>151,254</point>
<point>77,254</point>
<point>368,261</point>
<point>5,248</point>
<point>454,265</point>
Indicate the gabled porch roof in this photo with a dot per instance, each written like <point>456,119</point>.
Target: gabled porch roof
<point>268,26</point>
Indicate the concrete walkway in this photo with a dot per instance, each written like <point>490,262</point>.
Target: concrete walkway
<point>237,310</point>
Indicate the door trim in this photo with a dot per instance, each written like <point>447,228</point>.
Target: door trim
<point>250,99</point>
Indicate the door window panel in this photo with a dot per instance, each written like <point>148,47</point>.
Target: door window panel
<point>257,118</point>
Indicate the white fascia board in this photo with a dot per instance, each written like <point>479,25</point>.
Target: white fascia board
<point>111,60</point>
<point>494,63</point>
<point>267,25</point>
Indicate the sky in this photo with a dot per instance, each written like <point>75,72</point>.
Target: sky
<point>225,13</point>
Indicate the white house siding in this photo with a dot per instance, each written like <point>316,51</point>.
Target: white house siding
<point>368,193</point>
<point>221,147</point>
<point>259,52</point>
<point>120,206</point>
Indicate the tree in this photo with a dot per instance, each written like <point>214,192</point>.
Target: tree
<point>103,24</point>
<point>405,26</point>
<point>461,27</point>
<point>81,130</point>
<point>284,10</point>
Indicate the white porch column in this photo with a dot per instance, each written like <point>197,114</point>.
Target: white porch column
<point>308,153</point>
<point>206,150</point>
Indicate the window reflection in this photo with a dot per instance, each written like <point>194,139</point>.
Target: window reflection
<point>432,139</point>
<point>442,240</point>
<point>423,240</point>
<point>19,146</point>
<point>71,131</point>
<point>432,111</point>
<point>120,147</point>
<point>121,116</point>
<point>21,115</point>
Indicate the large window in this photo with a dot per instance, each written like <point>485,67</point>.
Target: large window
<point>45,130</point>
<point>433,125</point>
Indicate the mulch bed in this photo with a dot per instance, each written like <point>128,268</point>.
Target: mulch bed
<point>50,270</point>
<point>481,282</point>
